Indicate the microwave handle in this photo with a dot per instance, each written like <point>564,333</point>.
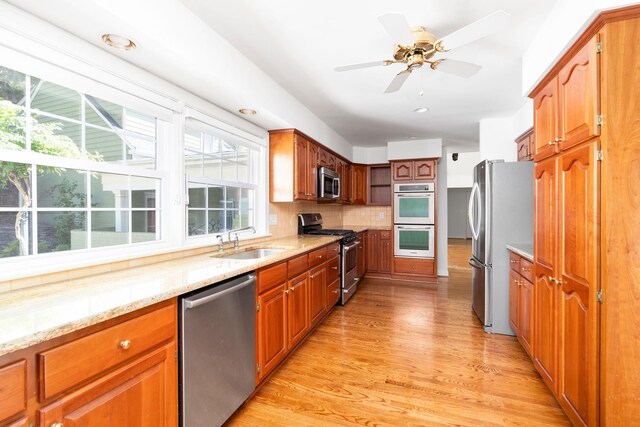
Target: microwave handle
<point>336,187</point>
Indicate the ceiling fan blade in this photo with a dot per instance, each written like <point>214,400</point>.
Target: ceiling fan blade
<point>363,65</point>
<point>398,28</point>
<point>398,81</point>
<point>483,27</point>
<point>457,68</point>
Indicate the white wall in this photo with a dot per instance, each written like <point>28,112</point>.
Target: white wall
<point>497,135</point>
<point>442,227</point>
<point>370,155</point>
<point>560,29</point>
<point>460,172</point>
<point>414,149</point>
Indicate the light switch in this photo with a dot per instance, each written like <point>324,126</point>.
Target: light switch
<point>381,215</point>
<point>273,219</point>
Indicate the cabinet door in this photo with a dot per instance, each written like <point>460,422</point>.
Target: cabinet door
<point>323,158</point>
<point>346,191</point>
<point>545,245</point>
<point>143,393</point>
<point>272,327</point>
<point>523,150</point>
<point>525,314</point>
<point>373,245</point>
<point>578,268</point>
<point>297,310</point>
<point>384,261</point>
<point>359,173</point>
<point>402,171</point>
<point>545,120</point>
<point>514,284</point>
<point>312,171</point>
<point>317,294</point>
<point>578,97</point>
<point>424,169</point>
<point>300,167</point>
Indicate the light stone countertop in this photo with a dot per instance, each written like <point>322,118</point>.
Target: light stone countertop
<point>361,228</point>
<point>523,249</point>
<point>33,315</point>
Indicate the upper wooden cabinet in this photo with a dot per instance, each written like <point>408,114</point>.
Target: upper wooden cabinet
<point>380,185</point>
<point>525,144</point>
<point>344,170</point>
<point>293,171</point>
<point>566,110</point>
<point>359,184</point>
<point>578,97</point>
<point>414,170</point>
<point>327,159</point>
<point>545,120</point>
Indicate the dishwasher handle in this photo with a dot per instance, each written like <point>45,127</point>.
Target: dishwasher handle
<point>215,296</point>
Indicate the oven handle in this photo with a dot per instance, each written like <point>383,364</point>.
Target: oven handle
<point>347,248</point>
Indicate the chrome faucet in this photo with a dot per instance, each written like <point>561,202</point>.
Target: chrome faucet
<point>236,244</point>
<point>220,243</point>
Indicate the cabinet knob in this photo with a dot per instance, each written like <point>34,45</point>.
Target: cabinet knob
<point>552,279</point>
<point>334,268</point>
<point>286,291</point>
<point>524,270</point>
<point>551,143</point>
<point>558,140</point>
<point>124,345</point>
<point>514,261</point>
<point>57,425</point>
<point>335,291</point>
<point>319,256</point>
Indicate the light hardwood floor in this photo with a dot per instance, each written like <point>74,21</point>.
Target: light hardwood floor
<point>401,354</point>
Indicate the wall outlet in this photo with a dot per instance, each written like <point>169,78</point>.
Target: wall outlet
<point>273,219</point>
<point>381,215</point>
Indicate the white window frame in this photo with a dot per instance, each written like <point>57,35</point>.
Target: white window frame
<point>195,119</point>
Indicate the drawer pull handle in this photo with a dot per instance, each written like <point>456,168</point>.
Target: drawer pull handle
<point>319,256</point>
<point>552,279</point>
<point>514,261</point>
<point>335,291</point>
<point>524,270</point>
<point>124,345</point>
<point>334,268</point>
<point>57,425</point>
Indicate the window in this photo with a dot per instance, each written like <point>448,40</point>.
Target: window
<point>76,172</point>
<point>222,179</point>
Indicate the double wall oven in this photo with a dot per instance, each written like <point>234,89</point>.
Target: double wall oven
<point>311,223</point>
<point>414,220</point>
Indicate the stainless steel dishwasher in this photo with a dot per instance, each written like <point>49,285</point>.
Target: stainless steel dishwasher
<point>217,351</point>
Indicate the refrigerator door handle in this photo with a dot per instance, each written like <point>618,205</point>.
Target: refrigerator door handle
<point>474,263</point>
<point>475,192</point>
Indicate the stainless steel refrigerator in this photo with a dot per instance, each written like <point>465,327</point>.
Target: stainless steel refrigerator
<point>500,212</point>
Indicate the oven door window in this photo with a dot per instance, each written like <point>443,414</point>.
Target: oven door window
<point>350,259</point>
<point>413,207</point>
<point>414,240</point>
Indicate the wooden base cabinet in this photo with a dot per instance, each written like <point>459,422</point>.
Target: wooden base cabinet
<point>521,297</point>
<point>120,372</point>
<point>379,252</point>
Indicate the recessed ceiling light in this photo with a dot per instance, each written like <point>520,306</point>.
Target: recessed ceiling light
<point>118,42</point>
<point>248,111</point>
<point>420,110</point>
<point>413,137</point>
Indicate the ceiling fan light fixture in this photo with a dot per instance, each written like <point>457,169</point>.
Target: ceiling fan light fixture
<point>118,42</point>
<point>420,110</point>
<point>247,111</point>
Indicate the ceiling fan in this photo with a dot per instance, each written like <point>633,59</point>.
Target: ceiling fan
<point>415,46</point>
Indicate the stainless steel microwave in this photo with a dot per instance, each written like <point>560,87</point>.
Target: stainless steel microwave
<point>328,184</point>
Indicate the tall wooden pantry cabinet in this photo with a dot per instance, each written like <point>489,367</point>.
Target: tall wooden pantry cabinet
<point>587,222</point>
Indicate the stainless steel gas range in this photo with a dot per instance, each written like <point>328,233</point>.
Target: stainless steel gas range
<point>311,223</point>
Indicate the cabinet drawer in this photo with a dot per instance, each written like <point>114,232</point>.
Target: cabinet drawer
<point>272,277</point>
<point>13,389</point>
<point>415,266</point>
<point>385,235</point>
<point>333,269</point>
<point>317,257</point>
<point>297,265</point>
<point>526,269</point>
<point>73,363</point>
<point>333,250</point>
<point>514,261</point>
<point>333,293</point>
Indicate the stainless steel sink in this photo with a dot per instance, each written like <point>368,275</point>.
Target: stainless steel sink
<point>251,254</point>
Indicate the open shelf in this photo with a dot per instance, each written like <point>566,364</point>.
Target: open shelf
<point>380,185</point>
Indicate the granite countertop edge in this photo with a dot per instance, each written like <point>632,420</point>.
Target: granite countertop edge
<point>170,279</point>
<point>525,250</point>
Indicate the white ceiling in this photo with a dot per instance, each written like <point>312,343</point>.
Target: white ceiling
<point>299,43</point>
